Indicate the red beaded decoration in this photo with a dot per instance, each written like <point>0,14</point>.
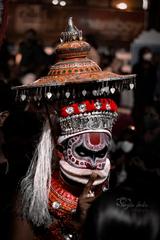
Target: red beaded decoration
<point>102,104</point>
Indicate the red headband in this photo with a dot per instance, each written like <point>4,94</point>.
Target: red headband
<point>102,104</point>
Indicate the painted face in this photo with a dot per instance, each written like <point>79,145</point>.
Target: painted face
<point>84,154</point>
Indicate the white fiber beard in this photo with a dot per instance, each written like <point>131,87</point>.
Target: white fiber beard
<point>36,184</point>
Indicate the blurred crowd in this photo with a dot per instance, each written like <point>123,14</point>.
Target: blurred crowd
<point>135,149</point>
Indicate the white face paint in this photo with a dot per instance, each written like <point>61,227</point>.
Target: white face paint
<point>126,146</point>
<point>84,154</point>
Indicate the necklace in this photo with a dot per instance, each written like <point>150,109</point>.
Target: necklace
<point>61,201</point>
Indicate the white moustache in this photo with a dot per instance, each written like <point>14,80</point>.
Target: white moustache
<point>82,175</point>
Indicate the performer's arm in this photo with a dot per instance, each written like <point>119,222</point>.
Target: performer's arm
<point>84,202</point>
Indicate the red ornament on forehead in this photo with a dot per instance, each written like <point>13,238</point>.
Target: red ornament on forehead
<point>95,138</point>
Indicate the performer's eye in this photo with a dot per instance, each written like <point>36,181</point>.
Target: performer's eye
<point>82,151</point>
<point>102,153</point>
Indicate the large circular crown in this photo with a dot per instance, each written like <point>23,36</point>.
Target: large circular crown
<point>74,75</point>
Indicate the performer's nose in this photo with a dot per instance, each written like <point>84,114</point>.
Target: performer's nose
<point>94,158</point>
<point>93,162</point>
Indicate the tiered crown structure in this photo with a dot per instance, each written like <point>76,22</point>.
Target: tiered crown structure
<point>74,76</point>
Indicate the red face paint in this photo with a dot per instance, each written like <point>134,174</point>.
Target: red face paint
<point>95,138</point>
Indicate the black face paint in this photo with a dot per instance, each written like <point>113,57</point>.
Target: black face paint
<point>82,151</point>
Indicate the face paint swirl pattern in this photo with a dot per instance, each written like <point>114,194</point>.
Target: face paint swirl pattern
<point>88,150</point>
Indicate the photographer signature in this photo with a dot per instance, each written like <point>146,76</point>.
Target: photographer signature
<point>127,203</point>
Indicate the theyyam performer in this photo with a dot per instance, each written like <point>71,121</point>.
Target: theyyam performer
<point>70,167</point>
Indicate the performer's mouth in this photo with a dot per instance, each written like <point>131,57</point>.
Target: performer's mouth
<point>83,175</point>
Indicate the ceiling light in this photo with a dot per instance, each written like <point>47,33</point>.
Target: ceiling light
<point>122,5</point>
<point>62,3</point>
<point>55,2</point>
<point>145,4</point>
<point>49,50</point>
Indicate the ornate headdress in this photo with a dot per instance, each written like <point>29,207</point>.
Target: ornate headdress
<point>88,116</point>
<point>74,76</point>
<point>81,92</point>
